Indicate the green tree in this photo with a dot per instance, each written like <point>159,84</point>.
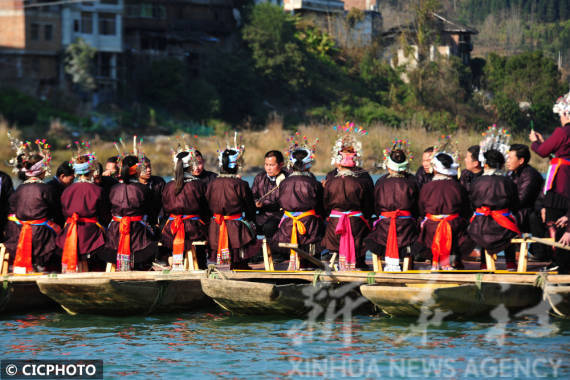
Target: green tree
<point>277,54</point>
<point>79,64</point>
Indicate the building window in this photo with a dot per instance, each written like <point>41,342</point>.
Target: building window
<point>35,32</point>
<point>107,24</point>
<point>48,32</point>
<point>87,22</point>
<point>76,25</point>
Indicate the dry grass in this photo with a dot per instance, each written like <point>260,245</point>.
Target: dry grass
<point>274,137</point>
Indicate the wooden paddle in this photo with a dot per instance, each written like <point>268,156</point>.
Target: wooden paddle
<point>303,254</point>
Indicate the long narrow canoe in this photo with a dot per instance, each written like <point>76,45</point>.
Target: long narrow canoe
<point>20,294</point>
<point>292,299</point>
<point>126,293</point>
<point>449,299</point>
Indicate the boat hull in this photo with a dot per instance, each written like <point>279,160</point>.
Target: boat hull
<point>411,300</point>
<point>292,299</point>
<point>20,294</point>
<point>120,294</point>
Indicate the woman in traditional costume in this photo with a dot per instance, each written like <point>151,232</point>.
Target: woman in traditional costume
<point>445,207</point>
<point>557,185</point>
<point>495,198</point>
<point>231,201</point>
<point>395,204</point>
<point>128,234</point>
<point>348,200</point>
<point>83,237</point>
<point>32,245</point>
<point>300,197</point>
<point>185,206</point>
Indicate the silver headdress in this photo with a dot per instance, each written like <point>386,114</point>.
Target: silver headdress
<point>295,144</point>
<point>235,159</point>
<point>348,137</point>
<point>403,146</point>
<point>494,138</point>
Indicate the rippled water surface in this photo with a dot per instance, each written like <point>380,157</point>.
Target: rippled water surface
<point>219,345</point>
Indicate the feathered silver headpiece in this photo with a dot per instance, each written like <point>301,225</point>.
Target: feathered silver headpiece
<point>495,138</point>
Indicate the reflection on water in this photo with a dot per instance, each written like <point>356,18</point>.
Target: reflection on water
<point>221,345</point>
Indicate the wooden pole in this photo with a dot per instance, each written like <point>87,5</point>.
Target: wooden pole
<point>490,261</point>
<point>5,257</point>
<point>267,258</point>
<point>523,257</point>
<point>376,263</point>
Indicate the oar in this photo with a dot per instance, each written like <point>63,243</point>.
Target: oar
<point>530,239</point>
<point>303,254</point>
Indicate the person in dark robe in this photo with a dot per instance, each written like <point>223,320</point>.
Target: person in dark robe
<point>155,184</point>
<point>105,183</point>
<point>396,205</point>
<point>529,184</point>
<point>64,177</point>
<point>6,190</point>
<point>495,198</point>
<point>445,207</point>
<point>556,193</point>
<point>82,239</point>
<point>200,172</point>
<point>129,238</point>
<point>349,202</point>
<point>230,199</point>
<point>32,243</point>
<point>300,197</point>
<point>424,174</point>
<point>472,169</point>
<point>12,226</point>
<point>185,206</point>
<point>265,191</point>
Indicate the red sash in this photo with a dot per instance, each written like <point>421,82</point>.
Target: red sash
<point>69,256</point>
<point>124,262</point>
<point>392,252</point>
<point>223,254</point>
<point>177,229</point>
<point>442,239</point>
<point>23,260</point>
<point>499,217</point>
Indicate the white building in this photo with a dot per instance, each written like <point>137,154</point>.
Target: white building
<point>100,24</point>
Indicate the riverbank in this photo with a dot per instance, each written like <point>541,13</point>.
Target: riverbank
<point>274,136</point>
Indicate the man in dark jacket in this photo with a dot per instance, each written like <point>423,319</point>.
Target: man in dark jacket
<point>155,184</point>
<point>266,193</point>
<point>64,176</point>
<point>424,173</point>
<point>472,169</point>
<point>529,183</point>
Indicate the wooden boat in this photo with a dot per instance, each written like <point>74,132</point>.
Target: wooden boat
<point>456,293</point>
<point>273,297</point>
<point>20,294</point>
<point>451,299</point>
<point>125,293</point>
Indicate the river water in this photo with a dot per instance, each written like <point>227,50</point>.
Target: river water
<point>216,344</point>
